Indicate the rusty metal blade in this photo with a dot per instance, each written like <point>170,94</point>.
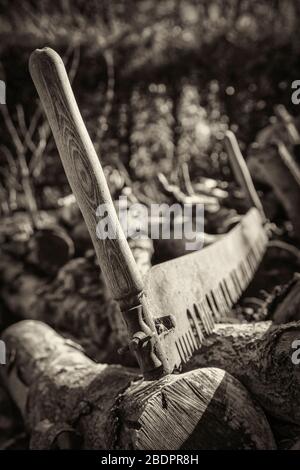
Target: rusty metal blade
<point>200,288</point>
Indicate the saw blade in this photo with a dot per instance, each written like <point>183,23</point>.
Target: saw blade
<point>200,288</point>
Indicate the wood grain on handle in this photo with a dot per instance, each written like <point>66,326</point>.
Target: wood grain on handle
<point>241,171</point>
<point>84,171</point>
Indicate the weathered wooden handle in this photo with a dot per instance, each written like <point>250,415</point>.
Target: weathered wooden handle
<point>84,173</point>
<point>241,171</point>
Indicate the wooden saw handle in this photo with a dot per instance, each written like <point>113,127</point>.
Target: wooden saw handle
<point>241,171</point>
<point>84,172</point>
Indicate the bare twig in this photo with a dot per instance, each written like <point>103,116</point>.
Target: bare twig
<point>11,129</point>
<point>74,64</point>
<point>21,120</point>
<point>103,119</point>
<point>187,180</point>
<point>20,149</point>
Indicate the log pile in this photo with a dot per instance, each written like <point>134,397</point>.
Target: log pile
<point>72,381</point>
<point>243,378</point>
<point>67,401</point>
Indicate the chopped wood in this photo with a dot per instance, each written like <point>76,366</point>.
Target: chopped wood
<point>260,356</point>
<point>61,392</point>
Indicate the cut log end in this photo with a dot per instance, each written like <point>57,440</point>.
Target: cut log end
<point>63,393</point>
<point>202,409</point>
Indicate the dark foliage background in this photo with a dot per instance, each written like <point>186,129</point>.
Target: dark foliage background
<point>138,64</point>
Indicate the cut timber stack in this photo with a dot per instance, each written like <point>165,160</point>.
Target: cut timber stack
<point>67,401</point>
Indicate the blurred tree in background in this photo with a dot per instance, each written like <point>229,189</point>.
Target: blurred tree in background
<point>154,80</point>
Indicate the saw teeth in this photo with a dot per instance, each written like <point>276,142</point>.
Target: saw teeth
<point>193,341</point>
<point>214,313</point>
<point>236,289</point>
<point>223,308</point>
<point>227,288</point>
<point>251,261</point>
<point>237,279</point>
<point>245,275</point>
<point>218,301</point>
<point>222,293</point>
<point>210,321</point>
<point>205,318</point>
<point>212,301</point>
<point>240,276</point>
<point>184,346</point>
<point>196,330</point>
<point>180,349</point>
<point>239,282</point>
<point>226,296</point>
<point>200,324</point>
<point>188,343</point>
<point>204,314</point>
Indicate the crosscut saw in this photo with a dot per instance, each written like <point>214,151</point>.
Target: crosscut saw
<point>169,313</point>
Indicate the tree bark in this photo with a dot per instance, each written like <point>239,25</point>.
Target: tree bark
<point>260,356</point>
<point>66,398</point>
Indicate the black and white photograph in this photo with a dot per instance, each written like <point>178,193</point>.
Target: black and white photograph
<point>149,228</point>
